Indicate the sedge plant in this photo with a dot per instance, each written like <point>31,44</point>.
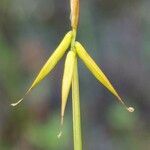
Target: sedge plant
<point>70,76</point>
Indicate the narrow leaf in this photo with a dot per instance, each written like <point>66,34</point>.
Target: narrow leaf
<point>51,62</point>
<point>66,82</point>
<point>97,72</point>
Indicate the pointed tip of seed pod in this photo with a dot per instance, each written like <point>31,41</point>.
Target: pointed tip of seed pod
<point>61,124</point>
<point>62,120</point>
<point>130,109</point>
<point>15,104</point>
<point>59,135</point>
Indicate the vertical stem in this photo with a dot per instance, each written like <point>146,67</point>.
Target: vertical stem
<point>74,16</point>
<point>76,110</point>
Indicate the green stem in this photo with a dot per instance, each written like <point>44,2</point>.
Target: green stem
<point>75,81</point>
<point>73,39</point>
<point>76,110</point>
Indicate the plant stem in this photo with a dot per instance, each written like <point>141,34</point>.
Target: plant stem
<point>73,39</point>
<point>74,16</point>
<point>76,110</point>
<point>77,136</point>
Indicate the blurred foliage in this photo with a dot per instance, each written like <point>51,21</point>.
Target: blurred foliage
<point>117,35</point>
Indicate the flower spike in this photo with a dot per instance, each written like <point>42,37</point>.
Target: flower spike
<point>51,62</point>
<point>97,72</point>
<point>66,81</point>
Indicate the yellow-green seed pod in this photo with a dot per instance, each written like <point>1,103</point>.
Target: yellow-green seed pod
<point>51,62</point>
<point>66,81</point>
<point>97,72</point>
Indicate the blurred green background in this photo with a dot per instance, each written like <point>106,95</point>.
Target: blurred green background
<point>117,35</point>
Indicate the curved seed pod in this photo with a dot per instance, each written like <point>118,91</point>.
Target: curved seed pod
<point>97,72</point>
<point>66,81</point>
<point>51,62</point>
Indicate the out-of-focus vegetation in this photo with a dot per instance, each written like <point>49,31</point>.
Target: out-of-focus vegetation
<point>117,35</point>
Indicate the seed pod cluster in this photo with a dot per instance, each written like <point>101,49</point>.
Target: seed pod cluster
<point>68,70</point>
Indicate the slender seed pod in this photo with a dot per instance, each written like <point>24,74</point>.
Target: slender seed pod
<point>51,62</point>
<point>97,72</point>
<point>66,81</point>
